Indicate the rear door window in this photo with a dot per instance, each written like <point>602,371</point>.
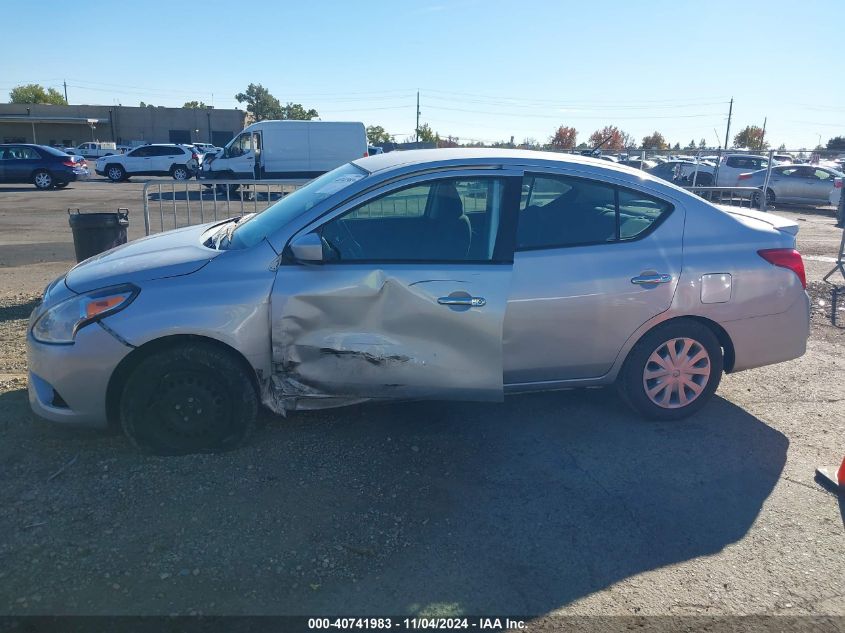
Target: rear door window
<point>559,211</point>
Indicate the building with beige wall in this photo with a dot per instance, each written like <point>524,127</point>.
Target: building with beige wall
<point>74,124</point>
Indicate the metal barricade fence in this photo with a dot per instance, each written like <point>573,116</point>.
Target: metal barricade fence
<point>174,204</point>
<point>734,196</point>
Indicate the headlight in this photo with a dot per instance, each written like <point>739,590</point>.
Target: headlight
<point>60,323</point>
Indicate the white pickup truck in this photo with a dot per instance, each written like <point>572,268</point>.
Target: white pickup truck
<point>95,149</point>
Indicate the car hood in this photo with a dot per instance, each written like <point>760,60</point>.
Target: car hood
<point>169,254</point>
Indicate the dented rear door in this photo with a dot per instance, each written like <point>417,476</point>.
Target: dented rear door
<point>398,310</point>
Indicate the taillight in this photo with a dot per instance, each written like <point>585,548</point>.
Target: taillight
<point>366,154</point>
<point>837,183</point>
<point>786,258</point>
<point>744,176</point>
<point>195,156</point>
<point>68,163</point>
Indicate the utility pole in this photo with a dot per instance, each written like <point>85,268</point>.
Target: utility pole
<point>763,135</point>
<point>418,118</point>
<point>64,83</point>
<point>728,131</point>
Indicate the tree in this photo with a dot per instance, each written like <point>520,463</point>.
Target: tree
<point>260,104</point>
<point>615,138</point>
<point>751,137</point>
<point>297,112</point>
<point>563,138</point>
<point>426,135</point>
<point>194,105</point>
<point>655,141</point>
<point>377,135</point>
<point>837,143</point>
<point>702,144</point>
<point>677,146</point>
<point>145,105</point>
<point>36,93</point>
<point>782,147</point>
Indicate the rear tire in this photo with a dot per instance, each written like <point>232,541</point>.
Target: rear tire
<point>43,179</point>
<point>116,173</point>
<point>194,398</point>
<point>770,198</point>
<point>673,371</point>
<point>180,172</point>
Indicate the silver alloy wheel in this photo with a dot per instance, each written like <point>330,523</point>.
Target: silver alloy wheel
<point>180,173</point>
<point>43,180</point>
<point>115,173</point>
<point>676,373</point>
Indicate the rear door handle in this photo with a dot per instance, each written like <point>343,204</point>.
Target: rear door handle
<point>472,302</point>
<point>657,278</point>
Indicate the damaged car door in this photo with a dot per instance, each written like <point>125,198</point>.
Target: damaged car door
<point>400,293</point>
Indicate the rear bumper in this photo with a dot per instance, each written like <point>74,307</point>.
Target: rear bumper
<point>770,339</point>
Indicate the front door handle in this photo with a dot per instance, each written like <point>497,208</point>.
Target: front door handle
<point>656,278</point>
<point>470,302</point>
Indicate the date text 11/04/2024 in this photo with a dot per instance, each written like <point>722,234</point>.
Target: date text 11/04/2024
<point>479,623</point>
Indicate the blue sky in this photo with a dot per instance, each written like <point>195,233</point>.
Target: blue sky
<point>485,69</point>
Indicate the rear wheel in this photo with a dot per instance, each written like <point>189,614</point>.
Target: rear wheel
<point>115,173</point>
<point>194,398</point>
<point>770,198</point>
<point>43,179</point>
<point>672,371</point>
<point>180,172</point>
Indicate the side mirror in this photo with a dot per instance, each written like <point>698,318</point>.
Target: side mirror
<point>307,248</point>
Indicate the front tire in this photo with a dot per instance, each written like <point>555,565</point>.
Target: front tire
<point>43,179</point>
<point>673,371</point>
<point>195,398</point>
<point>115,173</point>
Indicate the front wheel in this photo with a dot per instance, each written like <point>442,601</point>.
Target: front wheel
<point>672,371</point>
<point>115,173</point>
<point>194,398</point>
<point>42,179</point>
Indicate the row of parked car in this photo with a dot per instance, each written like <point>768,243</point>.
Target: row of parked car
<point>789,181</point>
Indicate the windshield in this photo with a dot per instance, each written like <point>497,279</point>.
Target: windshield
<point>250,232</point>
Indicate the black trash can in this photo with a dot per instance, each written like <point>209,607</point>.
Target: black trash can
<point>94,233</point>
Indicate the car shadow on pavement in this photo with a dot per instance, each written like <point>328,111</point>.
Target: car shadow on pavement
<point>528,506</point>
<point>410,508</point>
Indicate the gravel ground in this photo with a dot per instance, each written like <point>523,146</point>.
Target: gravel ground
<point>549,503</point>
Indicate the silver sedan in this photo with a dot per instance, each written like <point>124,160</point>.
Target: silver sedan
<point>447,274</point>
<point>797,184</point>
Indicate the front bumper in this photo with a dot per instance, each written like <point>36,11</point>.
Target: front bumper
<point>68,383</point>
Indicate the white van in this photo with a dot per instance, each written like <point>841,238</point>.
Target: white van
<point>287,150</point>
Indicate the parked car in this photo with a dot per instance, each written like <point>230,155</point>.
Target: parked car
<point>150,160</point>
<point>797,184</point>
<point>783,159</point>
<point>287,149</point>
<point>383,279</point>
<point>638,163</point>
<point>683,172</point>
<point>43,166</point>
<point>733,165</point>
<point>96,149</point>
<point>207,148</point>
<point>372,150</point>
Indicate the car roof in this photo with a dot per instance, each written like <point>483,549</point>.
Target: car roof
<point>425,159</point>
<point>480,156</point>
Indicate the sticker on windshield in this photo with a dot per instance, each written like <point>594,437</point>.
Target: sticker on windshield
<point>339,183</point>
